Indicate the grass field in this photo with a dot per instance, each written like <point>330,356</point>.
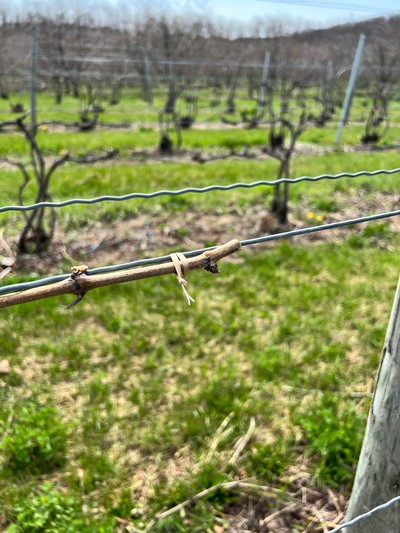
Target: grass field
<point>132,402</point>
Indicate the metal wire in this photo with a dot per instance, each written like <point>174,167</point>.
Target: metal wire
<point>366,515</point>
<point>322,227</point>
<point>114,56</point>
<point>165,258</point>
<point>197,190</point>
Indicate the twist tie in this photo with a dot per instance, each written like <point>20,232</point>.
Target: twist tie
<point>181,265</point>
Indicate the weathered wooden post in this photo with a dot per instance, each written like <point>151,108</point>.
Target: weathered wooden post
<point>378,473</point>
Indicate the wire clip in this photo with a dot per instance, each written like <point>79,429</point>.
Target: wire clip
<point>182,266</point>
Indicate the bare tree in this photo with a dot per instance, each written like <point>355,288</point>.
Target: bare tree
<point>83,40</point>
<point>64,49</point>
<point>52,42</point>
<point>172,46</point>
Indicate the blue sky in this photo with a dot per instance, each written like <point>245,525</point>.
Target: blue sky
<point>315,13</point>
<point>318,11</point>
<point>315,9</point>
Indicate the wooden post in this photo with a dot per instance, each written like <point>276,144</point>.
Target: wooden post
<point>378,473</point>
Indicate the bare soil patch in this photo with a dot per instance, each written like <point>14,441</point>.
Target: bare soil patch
<point>309,509</point>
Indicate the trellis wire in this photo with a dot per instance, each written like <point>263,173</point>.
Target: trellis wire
<point>246,242</point>
<point>366,515</point>
<point>197,190</point>
<point>114,57</point>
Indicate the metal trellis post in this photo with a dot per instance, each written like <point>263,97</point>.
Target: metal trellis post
<point>34,53</point>
<point>350,88</point>
<point>264,79</point>
<point>147,82</point>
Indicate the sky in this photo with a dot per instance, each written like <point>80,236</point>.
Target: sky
<point>307,13</point>
<point>318,12</point>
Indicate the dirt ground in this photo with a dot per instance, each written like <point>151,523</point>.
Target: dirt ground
<point>147,235</point>
<point>310,511</point>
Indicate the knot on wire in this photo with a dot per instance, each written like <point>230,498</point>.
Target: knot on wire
<point>181,265</point>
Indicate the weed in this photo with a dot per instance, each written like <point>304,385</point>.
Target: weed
<point>207,244</point>
<point>333,433</point>
<point>35,441</point>
<point>12,379</point>
<point>269,461</point>
<point>51,510</point>
<point>374,234</point>
<point>376,231</point>
<point>199,516</point>
<point>328,205</point>
<point>96,469</point>
<point>198,521</point>
<point>149,382</point>
<point>183,232</point>
<point>273,364</point>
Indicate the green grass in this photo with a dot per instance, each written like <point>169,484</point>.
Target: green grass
<point>285,336</point>
<point>323,198</point>
<point>127,141</point>
<point>35,440</point>
<point>51,510</point>
<point>74,181</point>
<point>132,109</point>
<point>132,402</point>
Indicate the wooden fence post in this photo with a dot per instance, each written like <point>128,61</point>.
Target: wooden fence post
<point>378,473</point>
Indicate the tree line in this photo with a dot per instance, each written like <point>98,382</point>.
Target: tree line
<point>81,52</point>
